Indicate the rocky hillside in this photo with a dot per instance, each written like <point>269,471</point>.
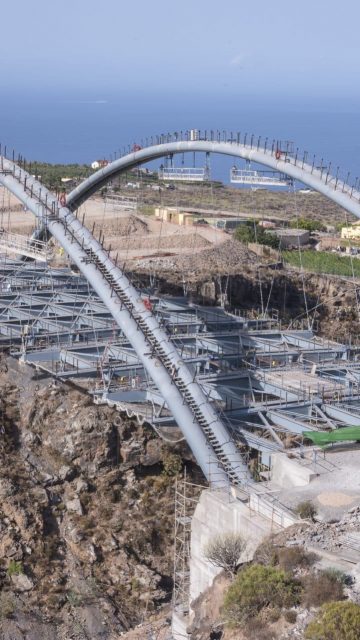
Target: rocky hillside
<point>86,517</point>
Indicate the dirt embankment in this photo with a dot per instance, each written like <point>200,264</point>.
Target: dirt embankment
<point>86,519</point>
<point>232,274</point>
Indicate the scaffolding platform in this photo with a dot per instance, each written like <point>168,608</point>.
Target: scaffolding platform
<point>184,174</point>
<point>121,203</point>
<point>25,246</point>
<point>258,178</point>
<point>265,381</point>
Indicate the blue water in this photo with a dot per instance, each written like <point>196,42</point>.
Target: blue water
<point>84,128</point>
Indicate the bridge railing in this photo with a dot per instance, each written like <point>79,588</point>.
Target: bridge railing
<point>283,151</point>
<point>280,150</point>
<point>21,244</point>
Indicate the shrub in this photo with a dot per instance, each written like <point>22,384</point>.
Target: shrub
<point>74,598</point>
<point>306,510</point>
<point>321,587</point>
<point>290,616</point>
<point>338,575</point>
<point>225,550</point>
<point>257,587</point>
<point>172,464</point>
<point>245,234</point>
<point>308,224</point>
<point>256,629</point>
<point>290,558</point>
<point>266,553</point>
<point>252,232</point>
<point>273,614</point>
<point>335,621</point>
<point>14,568</point>
<point>7,605</point>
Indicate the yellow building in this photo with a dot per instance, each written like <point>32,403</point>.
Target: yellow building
<point>171,214</point>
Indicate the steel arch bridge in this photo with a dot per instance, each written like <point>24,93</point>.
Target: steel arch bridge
<point>317,178</point>
<point>206,433</point>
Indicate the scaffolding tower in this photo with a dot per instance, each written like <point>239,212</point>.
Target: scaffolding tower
<point>185,505</point>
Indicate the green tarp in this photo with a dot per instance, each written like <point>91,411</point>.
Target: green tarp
<point>343,434</point>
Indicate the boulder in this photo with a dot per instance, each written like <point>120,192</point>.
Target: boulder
<point>75,506</point>
<point>22,582</point>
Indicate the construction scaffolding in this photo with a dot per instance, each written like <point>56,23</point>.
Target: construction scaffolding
<point>14,243</point>
<point>267,382</point>
<point>121,203</point>
<point>185,504</point>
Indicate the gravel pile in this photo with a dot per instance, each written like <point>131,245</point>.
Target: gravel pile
<point>226,258</point>
<point>332,536</point>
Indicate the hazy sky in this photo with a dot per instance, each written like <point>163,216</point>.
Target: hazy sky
<point>97,47</point>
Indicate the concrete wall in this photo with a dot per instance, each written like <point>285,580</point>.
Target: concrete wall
<point>292,237</point>
<point>179,625</point>
<point>218,513</point>
<point>287,472</point>
<point>263,250</point>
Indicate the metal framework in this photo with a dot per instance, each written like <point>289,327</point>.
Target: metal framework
<point>257,178</point>
<point>211,437</point>
<point>267,383</point>
<point>206,434</point>
<point>184,174</point>
<point>25,246</point>
<point>123,203</point>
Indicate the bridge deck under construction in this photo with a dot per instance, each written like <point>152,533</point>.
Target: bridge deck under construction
<point>268,383</point>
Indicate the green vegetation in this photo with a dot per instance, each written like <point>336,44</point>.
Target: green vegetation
<point>306,510</point>
<point>14,568</point>
<point>50,174</point>
<point>172,464</point>
<point>335,621</point>
<point>308,224</point>
<point>74,598</point>
<point>323,262</point>
<point>252,232</point>
<point>278,581</point>
<point>258,587</point>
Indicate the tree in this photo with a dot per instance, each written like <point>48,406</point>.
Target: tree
<point>245,233</point>
<point>335,621</point>
<point>252,232</point>
<point>224,551</point>
<point>308,224</point>
<point>257,587</point>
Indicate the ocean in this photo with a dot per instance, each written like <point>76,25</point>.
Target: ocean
<point>80,129</point>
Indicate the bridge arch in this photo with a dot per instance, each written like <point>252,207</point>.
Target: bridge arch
<point>206,434</point>
<point>208,437</point>
<point>318,179</point>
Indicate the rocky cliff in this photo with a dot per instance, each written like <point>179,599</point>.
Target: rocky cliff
<point>86,516</point>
